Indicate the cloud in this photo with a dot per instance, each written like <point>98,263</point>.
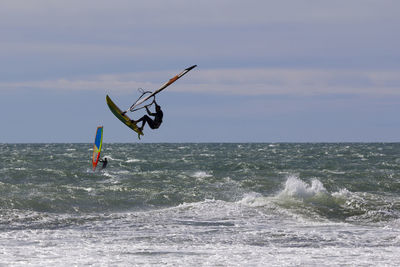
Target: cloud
<point>189,12</point>
<point>257,81</point>
<point>257,47</point>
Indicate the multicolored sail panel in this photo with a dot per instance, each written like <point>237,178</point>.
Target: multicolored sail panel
<point>98,142</point>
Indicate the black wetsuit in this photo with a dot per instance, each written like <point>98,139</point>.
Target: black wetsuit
<point>153,124</point>
<point>104,163</point>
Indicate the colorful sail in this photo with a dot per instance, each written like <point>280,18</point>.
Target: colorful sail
<point>98,142</point>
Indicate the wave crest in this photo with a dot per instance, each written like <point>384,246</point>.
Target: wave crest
<point>294,187</point>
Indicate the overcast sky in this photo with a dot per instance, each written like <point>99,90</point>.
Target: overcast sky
<point>268,71</point>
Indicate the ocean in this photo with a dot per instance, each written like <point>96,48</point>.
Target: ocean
<point>250,204</point>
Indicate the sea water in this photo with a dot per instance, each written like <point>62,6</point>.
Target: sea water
<point>200,205</point>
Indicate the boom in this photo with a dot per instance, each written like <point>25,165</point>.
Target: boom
<point>171,81</point>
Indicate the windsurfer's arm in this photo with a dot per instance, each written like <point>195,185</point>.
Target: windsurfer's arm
<point>148,112</point>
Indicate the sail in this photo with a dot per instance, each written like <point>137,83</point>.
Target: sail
<point>98,142</point>
<point>171,81</point>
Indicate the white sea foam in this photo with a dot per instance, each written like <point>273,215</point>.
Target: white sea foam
<point>342,193</point>
<point>133,160</point>
<point>122,172</point>
<point>206,155</point>
<point>333,172</point>
<point>254,200</point>
<point>294,187</point>
<point>108,174</point>
<point>201,175</point>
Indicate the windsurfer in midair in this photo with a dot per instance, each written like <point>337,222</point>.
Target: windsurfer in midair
<point>153,123</point>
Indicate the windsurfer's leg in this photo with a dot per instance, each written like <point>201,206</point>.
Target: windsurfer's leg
<point>145,119</point>
<point>149,121</point>
<point>139,120</point>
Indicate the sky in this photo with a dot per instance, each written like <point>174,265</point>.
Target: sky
<point>268,71</point>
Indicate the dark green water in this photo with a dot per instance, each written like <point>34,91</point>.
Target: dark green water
<point>154,200</point>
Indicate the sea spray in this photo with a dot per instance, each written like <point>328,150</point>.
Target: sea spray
<point>294,187</point>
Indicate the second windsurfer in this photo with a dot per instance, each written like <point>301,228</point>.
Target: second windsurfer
<point>104,163</point>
